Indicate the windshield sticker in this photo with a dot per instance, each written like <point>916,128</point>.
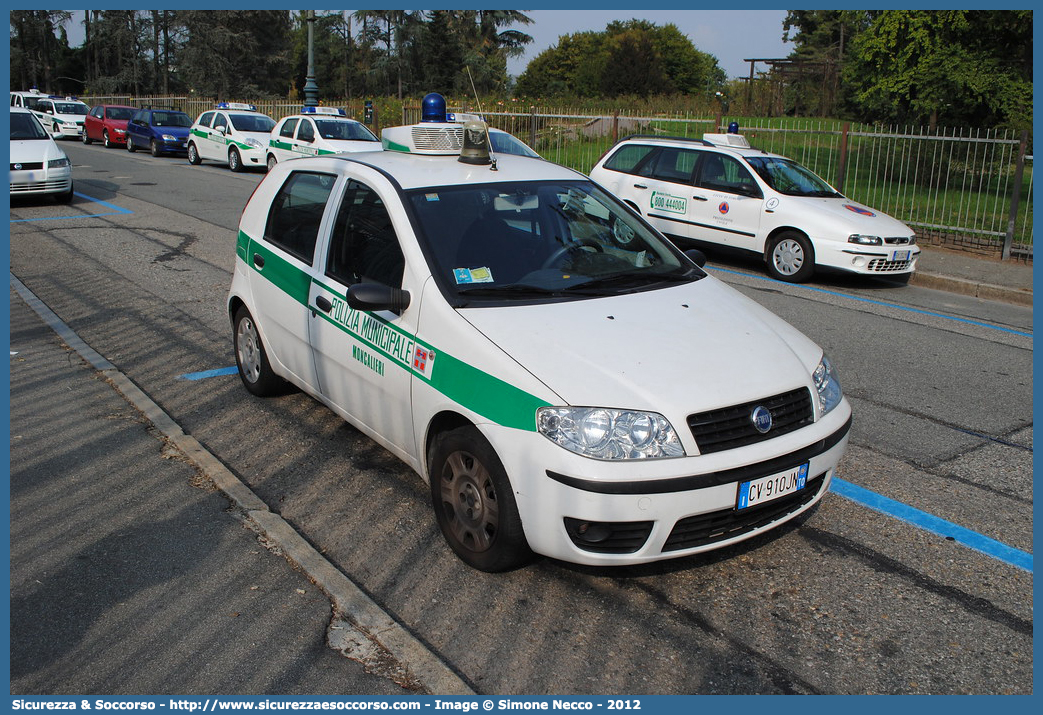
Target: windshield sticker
<point>859,210</point>
<point>472,275</point>
<point>666,202</point>
<point>431,197</point>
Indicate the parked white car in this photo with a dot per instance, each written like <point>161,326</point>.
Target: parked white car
<point>233,133</point>
<point>38,165</point>
<point>317,131</point>
<point>561,391</point>
<point>719,190</point>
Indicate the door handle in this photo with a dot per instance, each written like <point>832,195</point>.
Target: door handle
<point>700,198</point>
<point>259,260</point>
<point>323,304</point>
<point>640,186</point>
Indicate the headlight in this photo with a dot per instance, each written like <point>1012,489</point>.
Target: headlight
<point>58,163</point>
<point>602,433</point>
<point>827,384</point>
<point>912,239</point>
<point>169,138</point>
<point>253,143</point>
<point>864,240</point>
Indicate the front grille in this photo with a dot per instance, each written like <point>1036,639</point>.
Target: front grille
<point>28,166</point>
<point>882,265</point>
<point>727,524</point>
<point>731,427</point>
<point>25,188</point>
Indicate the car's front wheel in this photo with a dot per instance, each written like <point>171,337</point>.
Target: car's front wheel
<point>272,161</point>
<point>790,257</point>
<point>130,145</point>
<point>474,502</point>
<point>65,197</point>
<point>154,148</point>
<point>104,139</point>
<point>193,154</point>
<point>235,162</point>
<point>251,358</point>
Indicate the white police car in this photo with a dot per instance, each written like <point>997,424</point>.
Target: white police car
<point>61,116</point>
<point>233,133</point>
<point>317,131</point>
<point>719,190</point>
<point>566,380</point>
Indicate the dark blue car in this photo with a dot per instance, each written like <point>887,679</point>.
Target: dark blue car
<point>161,131</point>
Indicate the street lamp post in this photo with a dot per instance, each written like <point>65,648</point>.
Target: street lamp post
<point>311,89</point>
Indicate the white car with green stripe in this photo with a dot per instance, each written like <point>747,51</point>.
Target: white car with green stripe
<point>318,131</point>
<point>566,380</point>
<point>233,133</point>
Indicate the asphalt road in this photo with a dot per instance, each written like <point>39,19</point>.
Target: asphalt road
<point>846,600</point>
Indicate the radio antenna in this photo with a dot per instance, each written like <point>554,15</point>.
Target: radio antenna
<point>488,138</point>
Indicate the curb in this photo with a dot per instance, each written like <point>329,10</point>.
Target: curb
<point>350,603</point>
<point>985,291</point>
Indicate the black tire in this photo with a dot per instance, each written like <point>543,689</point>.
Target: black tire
<point>272,161</point>
<point>154,148</point>
<point>251,358</point>
<point>193,155</point>
<point>130,145</point>
<point>235,162</point>
<point>474,502</point>
<point>84,138</point>
<point>790,257</point>
<point>105,139</point>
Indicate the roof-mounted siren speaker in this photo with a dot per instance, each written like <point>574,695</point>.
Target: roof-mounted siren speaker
<point>475,149</point>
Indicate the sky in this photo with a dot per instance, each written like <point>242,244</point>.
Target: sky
<point>729,35</point>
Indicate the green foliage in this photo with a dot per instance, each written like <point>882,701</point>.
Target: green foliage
<point>635,57</point>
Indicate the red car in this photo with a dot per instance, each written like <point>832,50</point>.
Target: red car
<point>107,123</point>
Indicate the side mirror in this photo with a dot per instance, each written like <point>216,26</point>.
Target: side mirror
<point>377,296</point>
<point>696,256</point>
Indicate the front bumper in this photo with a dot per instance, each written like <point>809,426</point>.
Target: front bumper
<point>28,182</point>
<point>671,507</point>
<point>867,260</point>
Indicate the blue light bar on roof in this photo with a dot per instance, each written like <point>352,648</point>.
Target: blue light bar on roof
<point>237,105</point>
<point>335,111</point>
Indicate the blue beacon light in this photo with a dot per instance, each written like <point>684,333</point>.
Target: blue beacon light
<point>432,109</point>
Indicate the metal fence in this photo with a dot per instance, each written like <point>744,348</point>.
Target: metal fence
<point>963,188</point>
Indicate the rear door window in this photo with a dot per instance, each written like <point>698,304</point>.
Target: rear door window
<point>296,213</point>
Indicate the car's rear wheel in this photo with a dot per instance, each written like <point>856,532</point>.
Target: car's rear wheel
<point>790,257</point>
<point>193,154</point>
<point>235,162</point>
<point>474,502</point>
<point>153,147</point>
<point>251,358</point>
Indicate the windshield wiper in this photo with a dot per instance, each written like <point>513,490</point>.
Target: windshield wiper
<point>609,285</point>
<point>509,289</point>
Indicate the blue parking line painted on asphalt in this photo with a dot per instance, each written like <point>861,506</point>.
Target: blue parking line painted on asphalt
<point>936,525</point>
<point>882,303</point>
<point>209,373</point>
<point>114,210</point>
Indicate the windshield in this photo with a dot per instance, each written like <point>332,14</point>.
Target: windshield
<point>537,241</point>
<point>340,130</point>
<point>120,112</point>
<point>252,123</point>
<point>25,126</point>
<point>789,177</point>
<point>71,108</point>
<point>504,143</point>
<point>171,119</point>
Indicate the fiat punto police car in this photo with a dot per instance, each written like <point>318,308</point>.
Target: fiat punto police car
<point>719,190</point>
<point>317,131</point>
<point>564,378</point>
<point>61,116</point>
<point>235,134</point>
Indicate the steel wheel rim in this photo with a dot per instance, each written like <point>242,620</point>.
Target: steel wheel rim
<point>788,256</point>
<point>233,160</point>
<point>469,501</point>
<point>248,347</point>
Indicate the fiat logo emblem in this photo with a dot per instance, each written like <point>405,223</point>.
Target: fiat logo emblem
<point>17,167</point>
<point>761,418</point>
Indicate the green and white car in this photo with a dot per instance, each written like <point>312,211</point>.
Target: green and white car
<point>317,131</point>
<point>565,379</point>
<point>235,134</point>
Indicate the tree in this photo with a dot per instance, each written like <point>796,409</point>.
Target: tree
<point>38,47</point>
<point>236,53</point>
